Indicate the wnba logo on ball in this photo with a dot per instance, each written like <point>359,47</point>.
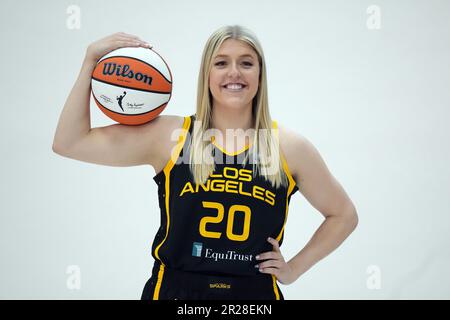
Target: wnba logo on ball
<point>125,72</point>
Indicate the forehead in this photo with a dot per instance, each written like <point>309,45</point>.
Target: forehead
<point>235,48</point>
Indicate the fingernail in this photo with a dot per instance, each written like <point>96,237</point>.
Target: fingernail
<point>257,266</point>
<point>260,269</point>
<point>269,238</point>
<point>257,257</point>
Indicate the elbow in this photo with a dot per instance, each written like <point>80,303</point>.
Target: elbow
<point>58,149</point>
<point>55,148</point>
<point>351,218</point>
<point>347,216</point>
<point>354,221</point>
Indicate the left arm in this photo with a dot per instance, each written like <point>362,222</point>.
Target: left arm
<point>324,193</point>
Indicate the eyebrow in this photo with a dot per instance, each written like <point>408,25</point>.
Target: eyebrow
<point>224,55</point>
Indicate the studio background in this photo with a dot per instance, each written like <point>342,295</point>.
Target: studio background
<point>373,100</point>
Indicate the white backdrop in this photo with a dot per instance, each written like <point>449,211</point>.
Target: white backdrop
<point>370,91</point>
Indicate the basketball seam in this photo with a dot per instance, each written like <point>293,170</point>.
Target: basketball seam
<point>126,114</point>
<point>139,61</point>
<point>131,88</point>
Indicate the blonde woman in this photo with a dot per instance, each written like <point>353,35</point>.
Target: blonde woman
<point>225,177</point>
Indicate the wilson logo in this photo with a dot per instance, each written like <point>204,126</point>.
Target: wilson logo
<point>125,71</point>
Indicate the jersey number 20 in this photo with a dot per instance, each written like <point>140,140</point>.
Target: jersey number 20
<point>230,221</point>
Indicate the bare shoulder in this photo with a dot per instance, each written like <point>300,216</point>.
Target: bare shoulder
<point>316,182</point>
<point>167,126</point>
<point>293,145</point>
<point>165,122</point>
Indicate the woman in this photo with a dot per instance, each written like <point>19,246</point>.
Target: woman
<point>224,180</point>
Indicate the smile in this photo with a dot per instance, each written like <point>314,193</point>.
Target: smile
<point>234,87</point>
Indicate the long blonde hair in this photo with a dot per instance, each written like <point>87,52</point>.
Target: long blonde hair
<point>265,145</point>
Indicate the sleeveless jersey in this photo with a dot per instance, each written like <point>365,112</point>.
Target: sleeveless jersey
<point>218,227</point>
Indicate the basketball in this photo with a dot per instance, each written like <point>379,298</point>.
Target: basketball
<point>132,85</point>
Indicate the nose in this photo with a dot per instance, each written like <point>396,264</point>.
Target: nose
<point>233,70</point>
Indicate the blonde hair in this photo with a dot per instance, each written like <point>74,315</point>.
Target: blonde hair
<point>265,145</point>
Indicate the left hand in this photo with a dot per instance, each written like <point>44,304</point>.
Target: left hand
<point>276,264</point>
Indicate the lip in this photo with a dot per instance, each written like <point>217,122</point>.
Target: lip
<point>243,84</point>
<point>234,90</point>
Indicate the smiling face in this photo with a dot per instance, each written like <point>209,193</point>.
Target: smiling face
<point>234,75</point>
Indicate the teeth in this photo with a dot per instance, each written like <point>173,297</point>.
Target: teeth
<point>234,86</point>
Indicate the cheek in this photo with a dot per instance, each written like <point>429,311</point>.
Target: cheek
<point>214,79</point>
<point>254,78</point>
<point>255,81</point>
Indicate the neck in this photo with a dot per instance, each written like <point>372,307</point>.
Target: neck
<point>227,118</point>
<point>232,119</point>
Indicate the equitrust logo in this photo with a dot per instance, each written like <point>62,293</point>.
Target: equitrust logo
<point>197,249</point>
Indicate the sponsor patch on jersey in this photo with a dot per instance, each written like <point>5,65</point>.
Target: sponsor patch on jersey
<point>197,249</point>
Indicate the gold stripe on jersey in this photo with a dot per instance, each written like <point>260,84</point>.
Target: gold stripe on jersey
<point>158,283</point>
<point>275,288</point>
<point>291,182</point>
<point>213,141</point>
<point>166,170</point>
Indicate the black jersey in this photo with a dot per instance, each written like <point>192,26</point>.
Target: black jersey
<point>218,227</point>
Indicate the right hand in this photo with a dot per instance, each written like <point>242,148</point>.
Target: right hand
<point>99,48</point>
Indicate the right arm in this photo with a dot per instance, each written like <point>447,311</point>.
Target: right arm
<point>114,145</point>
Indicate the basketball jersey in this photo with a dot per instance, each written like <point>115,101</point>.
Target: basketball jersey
<point>220,226</point>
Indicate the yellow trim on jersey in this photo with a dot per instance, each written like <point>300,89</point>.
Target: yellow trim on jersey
<point>291,182</point>
<point>158,282</point>
<point>173,159</point>
<point>275,288</point>
<point>213,141</point>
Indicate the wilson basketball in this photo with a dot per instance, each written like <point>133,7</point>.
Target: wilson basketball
<point>132,85</point>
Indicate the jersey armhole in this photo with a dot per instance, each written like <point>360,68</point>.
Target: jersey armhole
<point>176,151</point>
<point>292,183</point>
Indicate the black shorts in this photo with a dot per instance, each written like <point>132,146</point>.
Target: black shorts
<point>170,284</point>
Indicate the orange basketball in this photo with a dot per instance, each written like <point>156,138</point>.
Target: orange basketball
<point>132,85</point>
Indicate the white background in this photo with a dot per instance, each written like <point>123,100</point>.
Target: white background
<point>374,102</point>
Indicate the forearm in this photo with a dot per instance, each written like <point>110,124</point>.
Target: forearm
<point>331,233</point>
